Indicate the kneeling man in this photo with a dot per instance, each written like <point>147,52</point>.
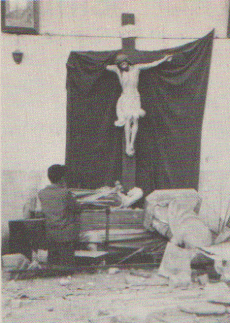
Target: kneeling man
<point>62,215</point>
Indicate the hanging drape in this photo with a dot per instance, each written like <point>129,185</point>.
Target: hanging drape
<point>168,140</point>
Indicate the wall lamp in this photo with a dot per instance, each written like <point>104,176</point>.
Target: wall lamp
<point>17,56</point>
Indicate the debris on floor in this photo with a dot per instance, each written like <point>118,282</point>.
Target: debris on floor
<point>176,266</point>
<point>15,261</point>
<point>220,253</point>
<point>135,295</point>
<point>203,279</point>
<point>218,293</point>
<point>203,308</point>
<point>113,270</point>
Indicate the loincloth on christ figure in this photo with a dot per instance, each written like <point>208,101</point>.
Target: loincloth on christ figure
<point>128,107</point>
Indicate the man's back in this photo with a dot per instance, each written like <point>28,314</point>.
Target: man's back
<point>61,213</point>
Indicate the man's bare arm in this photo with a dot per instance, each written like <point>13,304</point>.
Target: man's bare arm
<point>155,63</point>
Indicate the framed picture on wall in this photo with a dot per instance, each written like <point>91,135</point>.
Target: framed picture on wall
<point>20,16</point>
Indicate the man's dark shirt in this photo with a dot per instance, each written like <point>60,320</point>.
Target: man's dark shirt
<point>61,212</point>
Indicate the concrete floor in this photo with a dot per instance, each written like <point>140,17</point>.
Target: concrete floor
<point>105,296</point>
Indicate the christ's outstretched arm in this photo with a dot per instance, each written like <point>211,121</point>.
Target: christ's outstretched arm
<point>129,104</point>
<point>153,64</point>
<point>112,68</point>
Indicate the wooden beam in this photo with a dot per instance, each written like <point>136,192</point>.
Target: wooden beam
<point>127,19</point>
<point>128,43</point>
<point>128,163</point>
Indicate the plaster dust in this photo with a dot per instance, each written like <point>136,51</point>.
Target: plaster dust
<point>101,298</point>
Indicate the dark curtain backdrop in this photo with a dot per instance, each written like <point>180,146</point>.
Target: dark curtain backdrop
<point>168,141</point>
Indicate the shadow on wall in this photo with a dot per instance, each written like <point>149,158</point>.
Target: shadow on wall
<point>18,187</point>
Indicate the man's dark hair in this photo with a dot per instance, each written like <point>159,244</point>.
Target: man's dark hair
<point>56,172</point>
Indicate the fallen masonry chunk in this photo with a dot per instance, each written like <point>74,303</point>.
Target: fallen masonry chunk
<point>15,261</point>
<point>203,308</point>
<point>203,279</point>
<point>140,273</point>
<point>113,270</point>
<point>176,266</point>
<point>134,280</point>
<point>65,281</point>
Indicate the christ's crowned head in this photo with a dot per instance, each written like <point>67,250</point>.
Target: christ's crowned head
<point>123,62</point>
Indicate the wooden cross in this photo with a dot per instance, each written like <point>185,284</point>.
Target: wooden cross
<point>128,163</point>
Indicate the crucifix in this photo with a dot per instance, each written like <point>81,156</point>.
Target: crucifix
<point>128,108</point>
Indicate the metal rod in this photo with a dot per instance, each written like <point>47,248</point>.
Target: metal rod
<point>107,212</point>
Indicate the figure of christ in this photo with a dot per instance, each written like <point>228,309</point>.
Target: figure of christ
<point>128,107</point>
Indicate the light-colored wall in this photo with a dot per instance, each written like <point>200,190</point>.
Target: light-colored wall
<point>34,94</point>
<point>215,151</point>
<point>154,18</point>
